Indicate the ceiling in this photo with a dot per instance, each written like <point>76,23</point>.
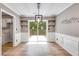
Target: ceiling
<point>30,9</point>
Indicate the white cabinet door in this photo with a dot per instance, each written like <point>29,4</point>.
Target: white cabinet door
<point>51,36</point>
<point>24,37</point>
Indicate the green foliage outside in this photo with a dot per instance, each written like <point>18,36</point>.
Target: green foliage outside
<point>40,26</point>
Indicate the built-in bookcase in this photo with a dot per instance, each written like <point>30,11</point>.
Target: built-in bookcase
<point>24,25</point>
<point>51,25</point>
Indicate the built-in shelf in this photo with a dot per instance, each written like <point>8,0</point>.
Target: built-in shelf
<point>24,21</point>
<point>24,25</point>
<point>9,23</point>
<point>51,20</point>
<point>51,25</point>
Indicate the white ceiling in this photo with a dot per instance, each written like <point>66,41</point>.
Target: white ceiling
<point>30,9</point>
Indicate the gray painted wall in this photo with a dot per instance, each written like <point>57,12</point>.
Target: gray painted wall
<point>69,28</point>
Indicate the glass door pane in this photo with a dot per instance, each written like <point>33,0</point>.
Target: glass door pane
<point>33,28</point>
<point>42,28</point>
<point>42,31</point>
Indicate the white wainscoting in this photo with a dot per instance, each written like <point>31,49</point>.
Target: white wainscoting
<point>24,37</point>
<point>51,36</point>
<point>17,39</point>
<point>69,43</point>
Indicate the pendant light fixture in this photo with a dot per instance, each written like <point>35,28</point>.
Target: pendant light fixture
<point>38,17</point>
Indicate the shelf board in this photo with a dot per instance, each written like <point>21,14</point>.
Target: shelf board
<point>51,25</point>
<point>24,25</point>
<point>24,20</point>
<point>4,28</point>
<point>10,23</point>
<point>51,20</point>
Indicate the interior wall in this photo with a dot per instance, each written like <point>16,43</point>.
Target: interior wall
<point>7,29</point>
<point>16,24</point>
<point>17,30</point>
<point>67,29</point>
<point>24,31</point>
<point>51,35</point>
<point>0,32</point>
<point>51,29</point>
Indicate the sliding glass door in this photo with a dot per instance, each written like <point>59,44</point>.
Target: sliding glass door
<point>37,30</point>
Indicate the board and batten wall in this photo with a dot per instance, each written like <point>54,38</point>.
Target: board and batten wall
<point>67,29</point>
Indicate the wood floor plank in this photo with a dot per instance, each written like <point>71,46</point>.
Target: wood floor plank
<point>49,49</point>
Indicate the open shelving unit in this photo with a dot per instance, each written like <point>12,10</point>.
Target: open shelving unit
<point>24,25</point>
<point>51,25</point>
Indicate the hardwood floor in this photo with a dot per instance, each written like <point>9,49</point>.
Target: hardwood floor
<point>6,47</point>
<point>46,49</point>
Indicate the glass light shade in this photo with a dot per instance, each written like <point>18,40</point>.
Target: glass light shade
<point>38,20</point>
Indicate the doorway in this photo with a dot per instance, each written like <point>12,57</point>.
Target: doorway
<point>37,30</point>
<point>7,32</point>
